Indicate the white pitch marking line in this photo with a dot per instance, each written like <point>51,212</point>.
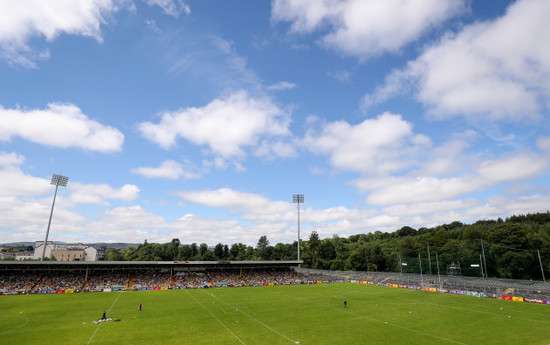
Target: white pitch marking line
<point>214,316</point>
<point>253,318</point>
<point>112,305</point>
<point>17,327</point>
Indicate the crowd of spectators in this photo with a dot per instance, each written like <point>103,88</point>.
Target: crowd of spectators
<point>60,281</point>
<point>151,279</point>
<point>228,278</point>
<point>32,282</point>
<point>20,281</point>
<point>107,280</point>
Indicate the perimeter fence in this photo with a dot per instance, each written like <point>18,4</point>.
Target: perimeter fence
<point>490,287</point>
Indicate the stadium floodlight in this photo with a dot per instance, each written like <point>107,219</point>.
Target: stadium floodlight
<point>57,180</point>
<point>298,199</point>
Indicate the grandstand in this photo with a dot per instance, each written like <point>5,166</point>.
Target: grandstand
<point>55,277</point>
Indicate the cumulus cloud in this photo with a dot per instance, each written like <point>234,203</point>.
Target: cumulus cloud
<point>172,8</point>
<point>226,125</point>
<point>23,20</point>
<point>59,125</point>
<point>412,188</point>
<point>498,68</point>
<point>11,159</point>
<point>99,193</point>
<point>168,170</point>
<point>231,199</point>
<point>364,28</point>
<point>378,145</point>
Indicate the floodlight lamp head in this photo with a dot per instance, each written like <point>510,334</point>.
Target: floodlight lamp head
<point>298,198</point>
<point>59,180</point>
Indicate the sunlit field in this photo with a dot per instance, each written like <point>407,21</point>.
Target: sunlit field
<point>304,314</point>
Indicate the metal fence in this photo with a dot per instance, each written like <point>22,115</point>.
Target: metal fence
<point>493,287</point>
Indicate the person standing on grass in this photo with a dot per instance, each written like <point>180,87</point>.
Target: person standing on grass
<point>345,304</point>
<point>140,307</point>
<point>104,317</point>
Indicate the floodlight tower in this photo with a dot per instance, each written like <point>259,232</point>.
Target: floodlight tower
<point>57,180</point>
<point>298,199</point>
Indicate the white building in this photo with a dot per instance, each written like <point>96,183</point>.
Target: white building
<point>91,253</point>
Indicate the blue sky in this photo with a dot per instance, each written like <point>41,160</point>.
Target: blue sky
<point>199,120</point>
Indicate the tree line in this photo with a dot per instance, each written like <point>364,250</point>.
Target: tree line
<point>511,248</point>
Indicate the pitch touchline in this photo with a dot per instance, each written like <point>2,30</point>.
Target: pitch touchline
<point>214,316</point>
<point>112,305</point>
<point>253,318</point>
<point>376,320</point>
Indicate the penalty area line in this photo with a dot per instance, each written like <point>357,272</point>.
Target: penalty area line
<point>214,316</point>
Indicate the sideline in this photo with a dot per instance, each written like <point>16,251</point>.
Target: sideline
<point>99,325</point>
<point>253,318</point>
<point>214,316</point>
<point>17,327</point>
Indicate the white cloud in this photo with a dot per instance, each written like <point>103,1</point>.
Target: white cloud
<point>99,193</point>
<point>364,28</point>
<point>23,20</point>
<point>235,200</point>
<point>422,189</point>
<point>168,169</point>
<point>378,145</point>
<point>499,68</point>
<point>171,7</point>
<point>544,144</point>
<point>512,168</point>
<point>11,159</point>
<point>227,125</point>
<point>59,125</point>
<point>13,182</point>
<point>282,85</point>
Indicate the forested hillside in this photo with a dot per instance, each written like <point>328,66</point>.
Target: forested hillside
<point>509,248</point>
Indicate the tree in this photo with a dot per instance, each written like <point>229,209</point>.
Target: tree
<point>203,248</point>
<point>113,254</point>
<point>218,251</point>
<point>172,251</point>
<point>261,247</point>
<point>405,231</point>
<point>326,250</point>
<point>238,251</point>
<point>194,249</point>
<point>184,253</point>
<point>314,244</point>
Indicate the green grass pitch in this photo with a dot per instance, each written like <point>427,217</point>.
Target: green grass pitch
<point>304,314</point>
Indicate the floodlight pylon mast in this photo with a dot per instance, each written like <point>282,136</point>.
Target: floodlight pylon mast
<point>57,180</point>
<point>298,199</point>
